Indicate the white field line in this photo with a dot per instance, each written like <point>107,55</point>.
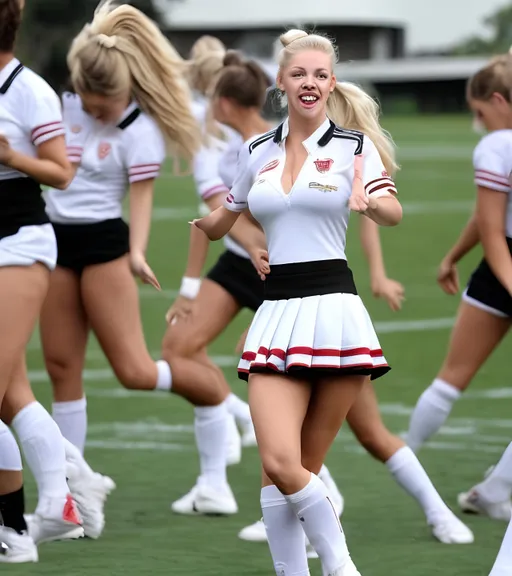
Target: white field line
<point>179,437</point>
<point>184,213</point>
<point>381,327</point>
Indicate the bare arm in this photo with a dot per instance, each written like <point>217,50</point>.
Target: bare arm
<point>50,168</point>
<point>491,214</point>
<point>384,211</point>
<point>468,239</point>
<point>370,241</point>
<point>141,207</point>
<point>218,223</point>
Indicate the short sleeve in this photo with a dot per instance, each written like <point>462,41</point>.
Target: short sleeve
<point>145,153</point>
<point>377,181</point>
<point>206,173</point>
<point>236,200</point>
<point>44,116</point>
<point>492,163</point>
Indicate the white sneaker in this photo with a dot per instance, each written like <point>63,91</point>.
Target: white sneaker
<point>254,533</point>
<point>348,570</point>
<point>16,548</point>
<point>472,503</point>
<point>90,491</point>
<point>450,530</point>
<point>234,442</point>
<point>205,500</point>
<point>55,519</point>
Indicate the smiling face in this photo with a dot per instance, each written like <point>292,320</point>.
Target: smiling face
<point>307,79</point>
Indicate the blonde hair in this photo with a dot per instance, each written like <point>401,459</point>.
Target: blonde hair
<point>496,76</point>
<point>205,63</point>
<point>121,51</point>
<point>348,105</point>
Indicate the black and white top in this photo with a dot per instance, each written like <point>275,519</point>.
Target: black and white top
<point>492,161</point>
<point>110,157</point>
<point>312,317</point>
<point>315,213</point>
<point>30,115</point>
<point>215,163</point>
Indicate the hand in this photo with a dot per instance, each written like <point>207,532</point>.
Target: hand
<point>241,342</point>
<point>140,268</point>
<point>448,277</point>
<point>181,309</point>
<point>259,259</point>
<point>391,291</point>
<point>6,152</point>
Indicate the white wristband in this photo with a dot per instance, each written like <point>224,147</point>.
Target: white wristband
<point>190,287</point>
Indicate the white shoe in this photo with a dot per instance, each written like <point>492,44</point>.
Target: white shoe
<point>472,503</point>
<point>205,500</point>
<point>90,491</point>
<point>234,442</point>
<point>16,548</point>
<point>55,519</point>
<point>450,530</point>
<point>254,533</point>
<point>348,570</point>
<point>336,497</point>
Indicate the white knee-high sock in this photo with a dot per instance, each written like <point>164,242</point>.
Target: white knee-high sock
<point>431,411</point>
<point>410,474</point>
<point>497,487</point>
<point>10,456</point>
<point>334,492</point>
<point>321,524</point>
<point>503,564</point>
<point>211,430</point>
<point>43,446</point>
<point>285,535</point>
<point>238,408</point>
<point>71,418</point>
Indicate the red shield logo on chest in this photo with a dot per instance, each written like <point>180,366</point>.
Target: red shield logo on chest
<point>324,165</point>
<point>104,149</point>
<point>269,166</point>
<point>76,129</point>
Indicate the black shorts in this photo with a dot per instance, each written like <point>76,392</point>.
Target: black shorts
<point>238,277</point>
<point>485,288</point>
<point>82,245</point>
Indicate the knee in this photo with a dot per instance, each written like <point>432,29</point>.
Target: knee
<point>135,375</point>
<point>280,467</point>
<point>61,369</point>
<point>182,344</point>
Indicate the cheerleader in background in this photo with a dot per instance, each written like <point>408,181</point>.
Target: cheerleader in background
<point>491,284</point>
<point>311,344</point>
<point>32,152</point>
<point>131,102</point>
<point>486,307</point>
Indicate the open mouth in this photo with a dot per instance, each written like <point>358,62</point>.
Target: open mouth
<point>308,100</point>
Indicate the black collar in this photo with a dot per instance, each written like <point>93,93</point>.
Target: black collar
<point>130,119</point>
<point>324,139</point>
<point>7,84</point>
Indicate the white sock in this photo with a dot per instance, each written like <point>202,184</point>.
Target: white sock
<point>72,420</point>
<point>431,411</point>
<point>503,564</point>
<point>43,447</point>
<point>164,379</point>
<point>10,456</point>
<point>497,487</point>
<point>410,474</point>
<point>321,524</point>
<point>238,408</point>
<point>211,428</point>
<point>285,535</point>
<point>75,458</point>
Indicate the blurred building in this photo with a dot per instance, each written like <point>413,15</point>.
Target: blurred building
<point>379,41</point>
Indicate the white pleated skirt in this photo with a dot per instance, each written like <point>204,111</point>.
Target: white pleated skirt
<point>313,336</point>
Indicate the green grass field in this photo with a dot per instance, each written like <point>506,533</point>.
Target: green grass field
<point>145,441</point>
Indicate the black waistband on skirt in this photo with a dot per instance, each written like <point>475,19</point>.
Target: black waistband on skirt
<point>302,279</point>
<point>21,204</point>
